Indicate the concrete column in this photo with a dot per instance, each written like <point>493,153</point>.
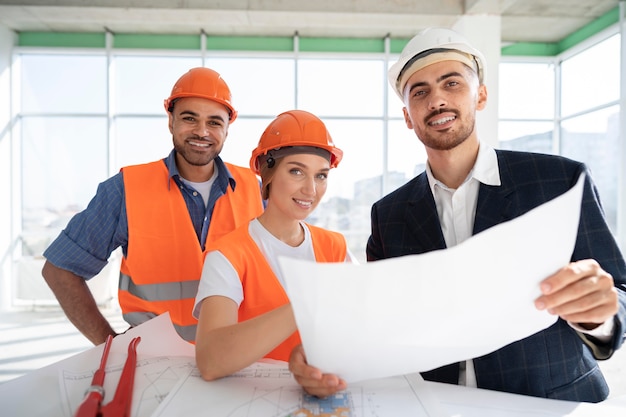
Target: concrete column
<point>7,40</point>
<point>483,31</point>
<point>621,177</point>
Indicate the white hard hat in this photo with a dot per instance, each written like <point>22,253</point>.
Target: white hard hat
<point>433,45</point>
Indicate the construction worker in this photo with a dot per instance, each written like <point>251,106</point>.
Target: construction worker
<point>162,214</point>
<point>242,309</point>
<point>468,187</point>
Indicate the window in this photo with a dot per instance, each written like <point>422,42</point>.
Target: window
<point>339,87</point>
<point>526,106</point>
<point>590,110</point>
<point>580,91</point>
<point>83,115</point>
<point>593,138</point>
<point>141,83</point>
<point>62,84</point>
<point>587,128</point>
<point>526,90</point>
<point>64,146</point>
<point>260,86</point>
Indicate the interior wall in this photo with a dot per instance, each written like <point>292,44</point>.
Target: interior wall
<point>7,40</point>
<point>621,178</point>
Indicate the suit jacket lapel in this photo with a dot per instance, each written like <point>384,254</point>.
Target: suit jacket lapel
<point>421,217</point>
<point>495,203</point>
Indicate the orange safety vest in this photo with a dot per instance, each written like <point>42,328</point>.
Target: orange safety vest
<point>262,291</point>
<point>163,263</point>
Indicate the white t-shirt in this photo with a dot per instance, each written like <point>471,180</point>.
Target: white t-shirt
<point>219,277</point>
<point>204,188</point>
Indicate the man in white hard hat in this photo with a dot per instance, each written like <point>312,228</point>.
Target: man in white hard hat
<point>468,187</point>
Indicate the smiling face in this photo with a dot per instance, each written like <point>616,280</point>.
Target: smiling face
<point>441,102</point>
<point>199,128</point>
<point>297,185</point>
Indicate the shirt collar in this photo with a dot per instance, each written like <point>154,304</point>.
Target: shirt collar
<point>222,170</point>
<point>485,169</point>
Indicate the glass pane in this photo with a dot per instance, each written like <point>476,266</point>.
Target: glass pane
<point>593,139</point>
<point>394,103</point>
<point>243,137</point>
<point>341,87</point>
<point>361,143</point>
<point>526,91</point>
<point>61,168</point>
<point>63,84</point>
<point>407,156</point>
<point>526,136</point>
<point>580,91</point>
<point>355,184</point>
<point>141,83</point>
<point>263,87</point>
<point>139,140</point>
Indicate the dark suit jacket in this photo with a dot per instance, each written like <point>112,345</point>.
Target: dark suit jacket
<point>554,363</point>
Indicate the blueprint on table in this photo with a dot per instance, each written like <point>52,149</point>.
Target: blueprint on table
<point>269,390</point>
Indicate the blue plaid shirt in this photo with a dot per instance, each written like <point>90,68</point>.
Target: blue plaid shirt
<point>90,237</point>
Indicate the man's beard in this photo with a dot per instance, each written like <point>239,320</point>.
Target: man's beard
<point>445,141</point>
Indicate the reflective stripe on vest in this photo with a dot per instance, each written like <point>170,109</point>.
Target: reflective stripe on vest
<point>159,292</point>
<point>262,291</point>
<point>163,265</point>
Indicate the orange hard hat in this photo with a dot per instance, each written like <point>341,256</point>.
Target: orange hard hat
<point>204,83</point>
<point>294,128</point>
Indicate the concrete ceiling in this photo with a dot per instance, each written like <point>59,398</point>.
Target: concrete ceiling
<point>522,20</point>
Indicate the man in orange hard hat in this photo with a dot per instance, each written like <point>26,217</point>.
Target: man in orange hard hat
<point>162,214</point>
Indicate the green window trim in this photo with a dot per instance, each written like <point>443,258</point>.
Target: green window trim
<point>62,39</point>
<point>286,43</point>
<point>143,41</point>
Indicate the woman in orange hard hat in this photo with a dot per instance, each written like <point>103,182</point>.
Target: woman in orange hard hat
<point>242,308</point>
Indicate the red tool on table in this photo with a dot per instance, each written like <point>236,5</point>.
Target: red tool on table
<point>119,406</point>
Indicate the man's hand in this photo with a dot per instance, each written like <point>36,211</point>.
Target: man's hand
<point>310,378</point>
<point>581,292</point>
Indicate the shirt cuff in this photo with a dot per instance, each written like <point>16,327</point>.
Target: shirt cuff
<point>598,339</point>
<point>604,332</point>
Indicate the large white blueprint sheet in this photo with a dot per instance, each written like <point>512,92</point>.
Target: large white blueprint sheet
<point>269,390</point>
<point>419,312</point>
